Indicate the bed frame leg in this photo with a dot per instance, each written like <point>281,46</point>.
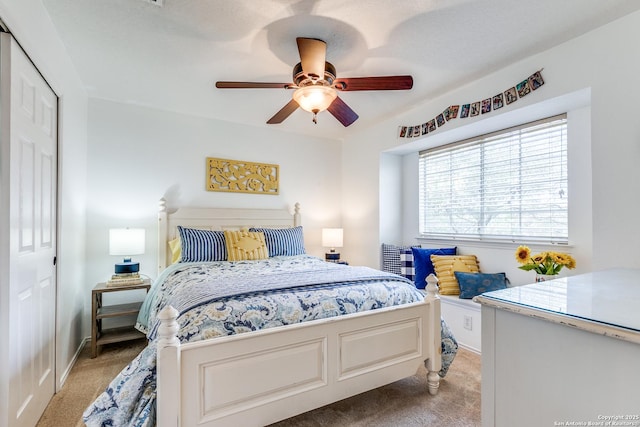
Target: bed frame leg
<point>168,369</point>
<point>434,362</point>
<point>433,382</point>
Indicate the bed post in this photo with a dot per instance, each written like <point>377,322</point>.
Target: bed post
<point>162,235</point>
<point>168,369</point>
<point>296,215</point>
<point>434,360</point>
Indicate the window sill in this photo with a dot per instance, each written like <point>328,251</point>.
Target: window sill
<point>489,243</point>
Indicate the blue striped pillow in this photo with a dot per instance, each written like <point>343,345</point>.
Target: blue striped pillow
<point>202,245</point>
<point>283,241</point>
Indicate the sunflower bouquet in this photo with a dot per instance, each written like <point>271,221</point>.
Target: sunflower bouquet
<point>549,262</point>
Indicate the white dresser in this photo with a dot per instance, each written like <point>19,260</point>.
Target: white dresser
<point>563,352</point>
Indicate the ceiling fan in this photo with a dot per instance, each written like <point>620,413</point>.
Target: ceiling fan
<point>316,86</point>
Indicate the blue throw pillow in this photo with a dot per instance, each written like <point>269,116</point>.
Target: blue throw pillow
<point>423,265</point>
<point>391,257</point>
<point>283,241</point>
<point>407,269</point>
<point>472,284</point>
<point>202,245</point>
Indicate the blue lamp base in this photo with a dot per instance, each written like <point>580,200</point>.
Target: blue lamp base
<point>127,267</point>
<point>332,256</point>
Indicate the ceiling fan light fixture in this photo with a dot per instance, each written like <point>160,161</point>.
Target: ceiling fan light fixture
<point>315,98</point>
<point>317,87</point>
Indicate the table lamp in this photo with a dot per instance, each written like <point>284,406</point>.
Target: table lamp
<point>126,242</point>
<point>332,238</point>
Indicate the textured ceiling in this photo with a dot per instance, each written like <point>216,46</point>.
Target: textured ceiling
<point>169,57</point>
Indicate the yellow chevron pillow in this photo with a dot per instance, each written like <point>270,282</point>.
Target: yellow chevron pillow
<point>445,265</point>
<point>245,245</point>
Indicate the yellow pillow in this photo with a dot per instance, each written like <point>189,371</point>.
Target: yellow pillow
<point>245,245</point>
<point>175,246</point>
<point>445,265</point>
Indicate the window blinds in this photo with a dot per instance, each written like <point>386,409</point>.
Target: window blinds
<point>507,185</point>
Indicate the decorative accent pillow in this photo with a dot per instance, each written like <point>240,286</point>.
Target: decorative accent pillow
<point>176,250</point>
<point>202,245</point>
<point>445,266</point>
<point>407,268</point>
<point>283,241</point>
<point>391,257</point>
<point>245,245</point>
<point>472,284</point>
<point>423,265</point>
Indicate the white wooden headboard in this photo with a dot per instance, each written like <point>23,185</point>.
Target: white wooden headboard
<point>217,219</point>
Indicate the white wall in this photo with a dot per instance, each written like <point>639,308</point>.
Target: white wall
<point>391,211</point>
<point>30,24</point>
<point>138,155</point>
<point>593,74</point>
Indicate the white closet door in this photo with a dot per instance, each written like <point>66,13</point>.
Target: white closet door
<point>32,138</point>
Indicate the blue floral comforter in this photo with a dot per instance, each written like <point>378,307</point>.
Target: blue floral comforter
<point>322,290</point>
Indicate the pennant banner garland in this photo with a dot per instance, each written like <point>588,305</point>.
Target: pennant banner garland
<point>485,106</point>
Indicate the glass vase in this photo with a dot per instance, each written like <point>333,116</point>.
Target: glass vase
<point>545,277</point>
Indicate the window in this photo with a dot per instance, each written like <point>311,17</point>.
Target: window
<point>507,185</point>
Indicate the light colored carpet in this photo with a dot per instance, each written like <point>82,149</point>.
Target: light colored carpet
<point>405,403</point>
<point>87,379</point>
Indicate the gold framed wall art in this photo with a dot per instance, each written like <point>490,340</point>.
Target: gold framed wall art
<point>238,176</point>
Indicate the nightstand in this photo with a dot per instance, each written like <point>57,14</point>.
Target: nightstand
<point>101,336</point>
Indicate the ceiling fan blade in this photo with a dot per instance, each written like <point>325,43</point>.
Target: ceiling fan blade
<point>283,113</point>
<point>374,83</point>
<point>342,112</point>
<point>312,56</point>
<point>253,85</point>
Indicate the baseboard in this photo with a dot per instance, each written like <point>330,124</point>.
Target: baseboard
<point>67,371</point>
<point>471,349</point>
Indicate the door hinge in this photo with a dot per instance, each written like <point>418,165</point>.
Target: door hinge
<point>55,260</point>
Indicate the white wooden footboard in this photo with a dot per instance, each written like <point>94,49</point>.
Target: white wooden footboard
<point>257,378</point>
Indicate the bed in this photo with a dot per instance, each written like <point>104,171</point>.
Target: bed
<point>305,334</point>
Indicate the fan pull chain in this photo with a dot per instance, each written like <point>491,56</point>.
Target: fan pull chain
<point>315,117</point>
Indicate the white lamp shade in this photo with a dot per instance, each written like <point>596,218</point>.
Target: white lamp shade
<point>126,241</point>
<point>332,237</point>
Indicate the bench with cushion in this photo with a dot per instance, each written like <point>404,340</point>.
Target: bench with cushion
<point>459,279</point>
